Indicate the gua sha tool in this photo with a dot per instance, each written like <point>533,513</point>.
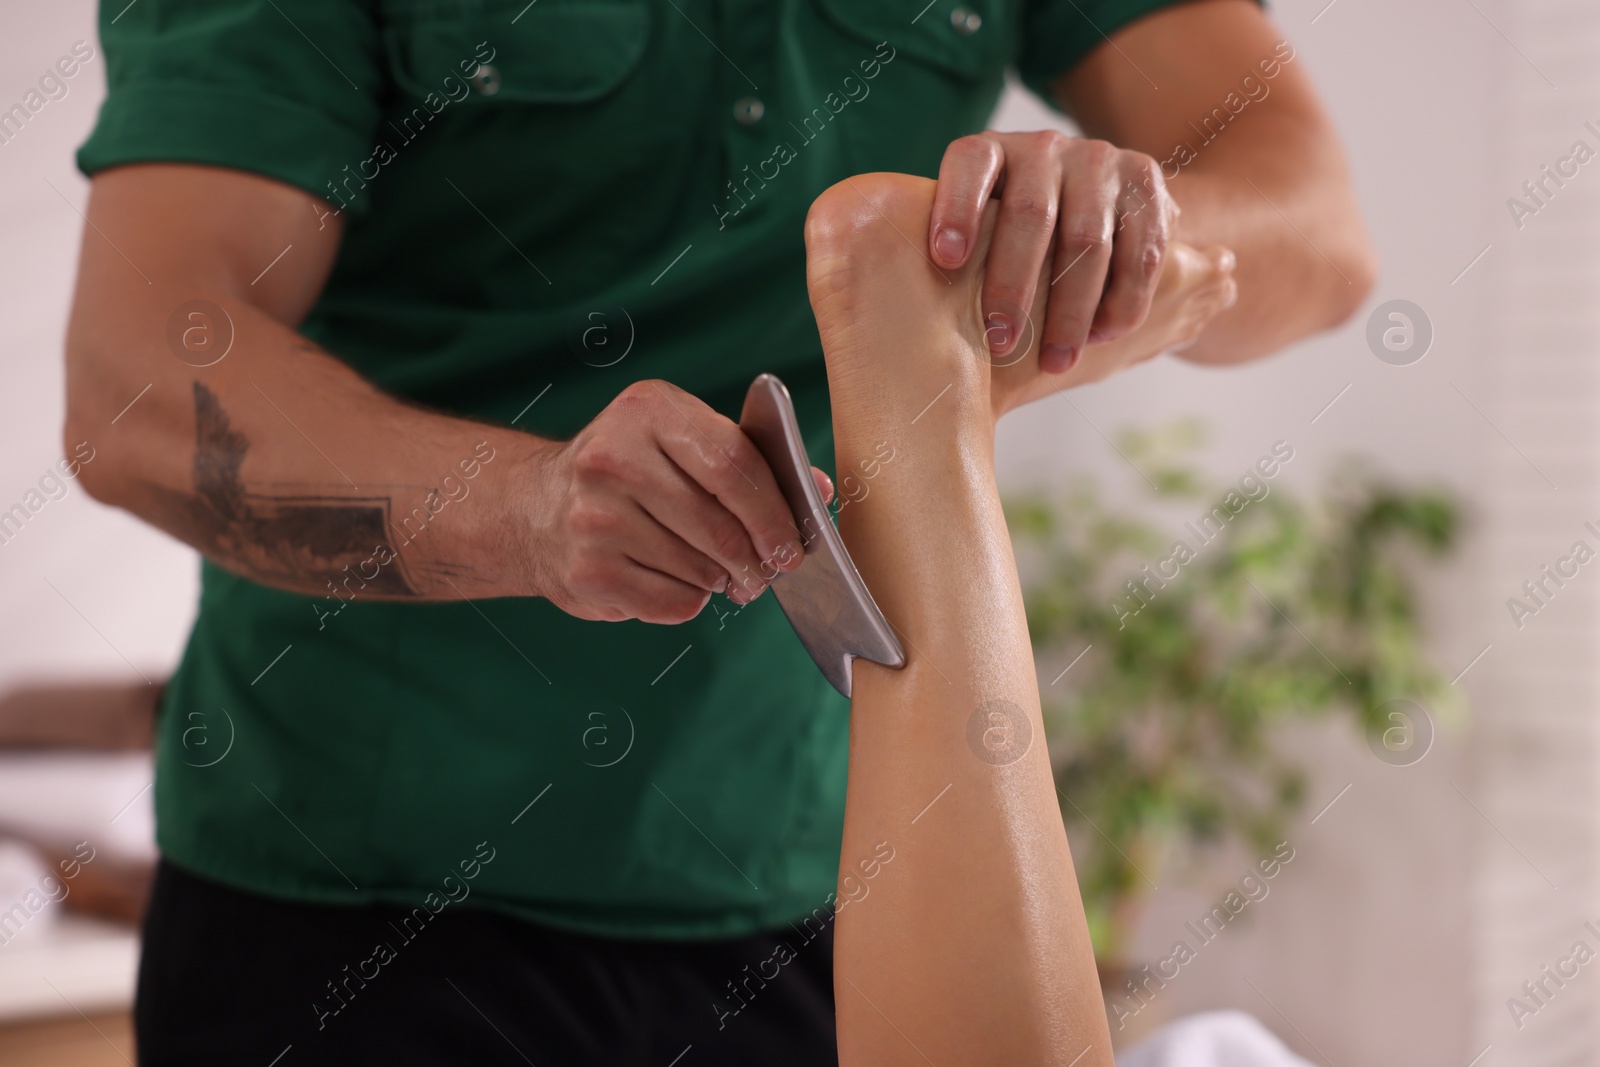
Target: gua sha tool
<point>824,598</point>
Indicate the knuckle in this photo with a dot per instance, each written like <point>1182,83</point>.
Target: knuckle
<point>720,470</point>
<point>1047,141</point>
<point>590,519</point>
<point>1087,234</point>
<point>1143,170</point>
<point>781,528</point>
<point>962,206</point>
<point>597,459</point>
<point>1098,152</point>
<point>1033,209</point>
<point>737,451</point>
<point>1160,230</point>
<point>636,398</point>
<point>976,144</point>
<point>738,469</point>
<point>728,540</point>
<point>1151,258</point>
<point>645,388</point>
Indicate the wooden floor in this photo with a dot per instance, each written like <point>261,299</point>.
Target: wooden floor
<point>98,1041</point>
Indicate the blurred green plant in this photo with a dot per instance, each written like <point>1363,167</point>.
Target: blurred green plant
<point>1164,732</point>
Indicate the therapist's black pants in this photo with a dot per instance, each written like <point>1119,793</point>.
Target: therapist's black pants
<point>231,977</point>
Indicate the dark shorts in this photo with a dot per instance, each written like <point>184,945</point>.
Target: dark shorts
<point>231,977</point>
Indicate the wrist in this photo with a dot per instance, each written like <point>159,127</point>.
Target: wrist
<point>521,531</point>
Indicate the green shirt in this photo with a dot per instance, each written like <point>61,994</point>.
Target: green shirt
<point>543,202</point>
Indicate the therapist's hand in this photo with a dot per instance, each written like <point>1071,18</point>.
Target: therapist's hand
<point>1104,211</point>
<point>1196,285</point>
<point>653,507</point>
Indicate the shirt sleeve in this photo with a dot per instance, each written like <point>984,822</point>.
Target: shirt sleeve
<point>288,89</point>
<point>1056,34</point>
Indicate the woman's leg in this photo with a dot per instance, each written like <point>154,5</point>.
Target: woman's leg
<point>970,945</point>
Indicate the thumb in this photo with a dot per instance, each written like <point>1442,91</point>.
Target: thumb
<point>824,485</point>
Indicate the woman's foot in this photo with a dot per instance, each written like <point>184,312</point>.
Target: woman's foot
<point>897,331</point>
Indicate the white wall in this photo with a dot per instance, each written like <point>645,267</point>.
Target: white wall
<point>1538,883</point>
<point>1365,950</point>
<point>124,594</point>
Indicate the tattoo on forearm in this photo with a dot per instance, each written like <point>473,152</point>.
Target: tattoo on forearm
<point>299,539</point>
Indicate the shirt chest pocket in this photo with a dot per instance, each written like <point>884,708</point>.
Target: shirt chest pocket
<point>965,40</point>
<point>482,53</point>
<point>939,68</point>
<point>546,124</point>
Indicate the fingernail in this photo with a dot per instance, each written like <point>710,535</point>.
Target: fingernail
<point>951,245</point>
<point>1057,358</point>
<point>1227,261</point>
<point>998,333</point>
<point>789,555</point>
<point>721,586</point>
<point>1097,338</point>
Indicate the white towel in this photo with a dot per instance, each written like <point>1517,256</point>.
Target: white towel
<point>1211,1039</point>
<point>99,797</point>
<point>28,894</point>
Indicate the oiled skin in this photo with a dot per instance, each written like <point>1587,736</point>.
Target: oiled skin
<point>970,946</point>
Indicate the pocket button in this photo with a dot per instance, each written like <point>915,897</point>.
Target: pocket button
<point>747,111</point>
<point>486,79</point>
<point>966,21</point>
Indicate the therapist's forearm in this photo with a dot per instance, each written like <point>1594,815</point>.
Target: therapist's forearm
<point>1302,263</point>
<point>202,412</point>
<point>1212,91</point>
<point>284,466</point>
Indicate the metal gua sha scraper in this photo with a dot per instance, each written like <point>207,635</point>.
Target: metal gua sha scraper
<point>824,598</point>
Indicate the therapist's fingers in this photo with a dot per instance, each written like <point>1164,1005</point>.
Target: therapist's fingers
<point>648,595</point>
<point>664,528</point>
<point>824,484</point>
<point>1084,238</point>
<point>683,506</point>
<point>968,175</point>
<point>614,562</point>
<point>712,450</point>
<point>1145,214</point>
<point>657,502</point>
<point>1030,202</point>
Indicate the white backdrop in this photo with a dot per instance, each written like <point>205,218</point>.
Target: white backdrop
<point>1363,953</point>
<point>124,594</point>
